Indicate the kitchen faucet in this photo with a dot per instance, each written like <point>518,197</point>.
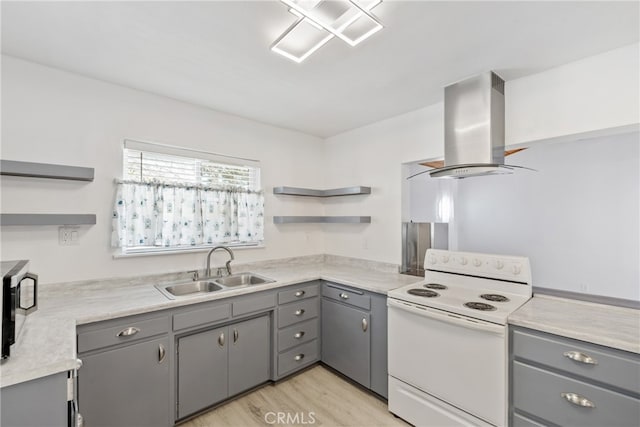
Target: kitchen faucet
<point>208,272</point>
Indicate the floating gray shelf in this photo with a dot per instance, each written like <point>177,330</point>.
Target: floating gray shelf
<point>45,170</point>
<point>47,219</point>
<point>322,219</point>
<point>308,192</point>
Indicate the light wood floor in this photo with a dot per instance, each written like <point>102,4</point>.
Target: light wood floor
<point>332,400</point>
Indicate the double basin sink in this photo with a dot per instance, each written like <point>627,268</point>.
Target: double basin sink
<point>215,284</point>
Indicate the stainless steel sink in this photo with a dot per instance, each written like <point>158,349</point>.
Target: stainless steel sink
<point>189,289</point>
<point>214,284</point>
<point>242,279</point>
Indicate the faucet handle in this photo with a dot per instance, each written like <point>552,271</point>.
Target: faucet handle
<point>196,274</point>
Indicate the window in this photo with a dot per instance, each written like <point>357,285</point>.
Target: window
<point>172,199</point>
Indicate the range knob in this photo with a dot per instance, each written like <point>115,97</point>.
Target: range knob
<point>477,262</point>
<point>432,260</point>
<point>498,264</point>
<point>516,269</point>
<point>463,261</point>
<point>444,258</point>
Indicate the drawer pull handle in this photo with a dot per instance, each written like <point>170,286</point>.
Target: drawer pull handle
<point>298,357</point>
<point>365,325</point>
<point>161,353</point>
<point>221,340</point>
<point>299,335</point>
<point>578,400</point>
<point>344,296</point>
<point>300,293</point>
<point>127,332</point>
<point>580,357</point>
<point>299,312</point>
<point>236,335</point>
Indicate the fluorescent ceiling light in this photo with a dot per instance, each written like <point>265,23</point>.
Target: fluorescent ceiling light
<point>321,20</point>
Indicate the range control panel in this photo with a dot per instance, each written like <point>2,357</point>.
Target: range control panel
<point>491,266</point>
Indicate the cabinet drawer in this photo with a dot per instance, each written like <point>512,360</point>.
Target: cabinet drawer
<point>201,316</point>
<point>347,296</point>
<point>297,357</point>
<point>297,312</point>
<point>297,334</point>
<point>539,392</point>
<point>297,293</point>
<point>245,305</point>
<point>613,367</point>
<point>120,332</point>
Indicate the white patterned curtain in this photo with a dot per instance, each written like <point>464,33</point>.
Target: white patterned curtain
<point>167,215</point>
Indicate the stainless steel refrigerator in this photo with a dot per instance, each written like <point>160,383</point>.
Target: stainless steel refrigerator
<point>417,237</point>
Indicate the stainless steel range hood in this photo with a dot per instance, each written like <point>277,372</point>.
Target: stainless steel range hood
<point>474,128</point>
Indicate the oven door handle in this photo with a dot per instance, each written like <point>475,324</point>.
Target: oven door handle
<point>445,317</point>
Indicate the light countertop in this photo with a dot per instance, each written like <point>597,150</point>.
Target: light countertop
<point>607,325</point>
<point>47,343</point>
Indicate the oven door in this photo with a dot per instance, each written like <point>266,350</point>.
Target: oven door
<point>458,360</point>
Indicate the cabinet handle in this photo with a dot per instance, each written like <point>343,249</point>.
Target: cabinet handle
<point>161,353</point>
<point>580,357</point>
<point>344,296</point>
<point>221,340</point>
<point>299,312</point>
<point>365,325</point>
<point>578,400</point>
<point>298,357</point>
<point>235,336</point>
<point>127,332</point>
<point>298,335</point>
<point>300,293</point>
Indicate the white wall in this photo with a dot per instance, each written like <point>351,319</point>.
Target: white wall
<point>580,99</point>
<point>577,217</point>
<point>57,117</point>
<point>373,156</point>
<point>52,116</point>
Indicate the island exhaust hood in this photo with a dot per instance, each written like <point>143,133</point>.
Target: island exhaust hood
<point>474,128</point>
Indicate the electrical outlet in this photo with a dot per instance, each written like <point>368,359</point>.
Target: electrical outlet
<point>68,236</point>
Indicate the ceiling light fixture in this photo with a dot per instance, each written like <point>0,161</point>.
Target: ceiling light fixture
<point>321,20</point>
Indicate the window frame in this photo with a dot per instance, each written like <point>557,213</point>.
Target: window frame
<point>198,155</point>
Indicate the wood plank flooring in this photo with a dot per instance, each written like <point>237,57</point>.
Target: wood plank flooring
<point>316,397</point>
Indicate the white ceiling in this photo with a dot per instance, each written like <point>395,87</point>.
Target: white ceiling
<point>216,54</point>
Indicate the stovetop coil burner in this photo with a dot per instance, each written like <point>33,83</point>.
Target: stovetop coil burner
<point>435,286</point>
<point>480,306</point>
<point>494,297</point>
<point>423,293</point>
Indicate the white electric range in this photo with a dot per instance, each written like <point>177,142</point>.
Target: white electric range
<point>448,339</point>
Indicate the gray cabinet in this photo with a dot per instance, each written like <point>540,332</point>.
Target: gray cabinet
<point>249,354</point>
<point>202,370</point>
<point>354,335</point>
<point>297,338</point>
<point>346,340</point>
<point>126,386</point>
<point>40,402</point>
<point>219,363</point>
<point>561,381</point>
<point>125,376</point>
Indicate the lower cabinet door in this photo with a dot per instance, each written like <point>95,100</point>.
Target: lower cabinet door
<point>249,354</point>
<point>346,341</point>
<point>202,370</point>
<point>126,386</point>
